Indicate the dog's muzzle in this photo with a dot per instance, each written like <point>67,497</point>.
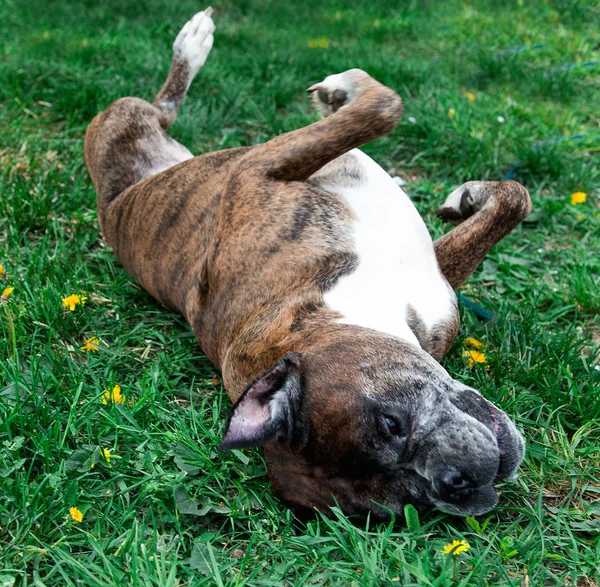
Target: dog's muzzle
<point>468,489</point>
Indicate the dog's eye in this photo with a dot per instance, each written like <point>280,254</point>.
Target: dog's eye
<point>394,428</point>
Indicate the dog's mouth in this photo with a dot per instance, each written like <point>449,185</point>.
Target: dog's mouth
<point>511,446</point>
<point>474,502</point>
<point>477,500</point>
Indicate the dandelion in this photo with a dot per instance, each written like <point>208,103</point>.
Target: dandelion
<point>114,396</point>
<point>456,547</point>
<point>2,272</point>
<point>73,301</point>
<point>473,357</point>
<point>472,342</point>
<point>321,43</point>
<point>578,198</point>
<point>451,113</point>
<point>437,188</point>
<point>471,96</point>
<point>500,119</point>
<point>76,514</point>
<point>105,452</point>
<point>91,345</point>
<point>215,381</point>
<point>7,291</point>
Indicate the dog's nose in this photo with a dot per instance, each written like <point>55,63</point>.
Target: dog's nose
<point>452,481</point>
<point>455,480</point>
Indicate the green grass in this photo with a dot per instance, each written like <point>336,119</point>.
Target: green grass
<point>168,509</point>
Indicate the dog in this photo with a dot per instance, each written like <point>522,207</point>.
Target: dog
<point>311,282</point>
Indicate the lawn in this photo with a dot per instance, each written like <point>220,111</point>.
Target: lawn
<point>491,90</point>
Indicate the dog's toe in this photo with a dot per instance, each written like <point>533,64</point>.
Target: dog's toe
<point>463,202</point>
<point>195,40</point>
<point>336,91</point>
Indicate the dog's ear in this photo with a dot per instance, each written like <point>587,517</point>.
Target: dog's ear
<point>267,409</point>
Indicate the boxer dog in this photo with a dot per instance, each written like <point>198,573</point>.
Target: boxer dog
<point>312,283</point>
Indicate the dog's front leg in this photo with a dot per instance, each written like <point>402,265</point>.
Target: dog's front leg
<point>484,212</point>
<point>361,110</point>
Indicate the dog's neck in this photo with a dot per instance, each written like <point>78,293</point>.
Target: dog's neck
<point>254,349</point>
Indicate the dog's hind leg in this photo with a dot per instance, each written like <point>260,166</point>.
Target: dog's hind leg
<point>190,50</point>
<point>484,212</point>
<point>128,142</point>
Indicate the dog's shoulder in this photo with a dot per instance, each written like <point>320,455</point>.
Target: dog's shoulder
<point>344,172</point>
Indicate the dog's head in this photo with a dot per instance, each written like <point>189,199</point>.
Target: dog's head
<point>374,422</point>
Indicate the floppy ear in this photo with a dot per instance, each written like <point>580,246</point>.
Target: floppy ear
<point>266,411</point>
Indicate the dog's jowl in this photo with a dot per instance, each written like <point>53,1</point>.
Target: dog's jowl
<point>312,283</point>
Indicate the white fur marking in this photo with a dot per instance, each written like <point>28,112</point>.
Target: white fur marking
<point>453,200</point>
<point>397,263</point>
<point>476,192</point>
<point>170,155</point>
<point>194,41</point>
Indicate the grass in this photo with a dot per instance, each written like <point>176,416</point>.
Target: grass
<point>168,509</point>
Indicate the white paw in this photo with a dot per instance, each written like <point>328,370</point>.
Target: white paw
<point>465,201</point>
<point>195,40</point>
<point>336,91</point>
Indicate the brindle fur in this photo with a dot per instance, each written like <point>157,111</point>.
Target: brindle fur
<point>192,236</point>
<point>244,243</point>
<point>460,251</point>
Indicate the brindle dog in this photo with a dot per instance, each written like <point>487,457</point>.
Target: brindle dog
<point>311,282</point>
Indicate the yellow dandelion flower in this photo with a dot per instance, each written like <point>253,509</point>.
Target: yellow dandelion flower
<point>91,345</point>
<point>473,357</point>
<point>73,301</point>
<point>471,96</point>
<point>215,381</point>
<point>76,514</point>
<point>451,113</point>
<point>437,188</point>
<point>7,291</point>
<point>92,465</point>
<point>473,343</point>
<point>456,547</point>
<point>2,272</point>
<point>105,452</point>
<point>114,396</point>
<point>322,43</point>
<point>578,198</point>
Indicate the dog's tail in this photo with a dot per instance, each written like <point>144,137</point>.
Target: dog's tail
<point>190,50</point>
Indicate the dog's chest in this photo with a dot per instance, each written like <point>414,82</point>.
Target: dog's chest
<point>397,274</point>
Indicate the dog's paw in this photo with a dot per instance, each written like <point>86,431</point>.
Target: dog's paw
<point>337,90</point>
<point>465,201</point>
<point>195,40</point>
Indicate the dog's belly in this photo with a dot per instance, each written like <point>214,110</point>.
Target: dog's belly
<point>397,273</point>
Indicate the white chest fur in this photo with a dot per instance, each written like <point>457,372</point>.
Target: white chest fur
<point>397,265</point>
